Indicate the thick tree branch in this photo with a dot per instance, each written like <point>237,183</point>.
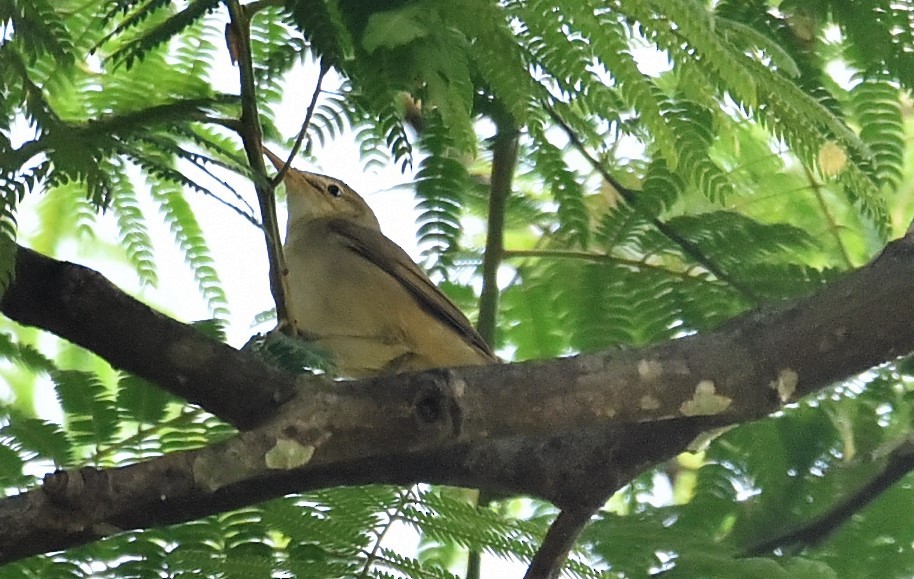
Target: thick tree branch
<point>568,430</point>
<point>558,542</point>
<point>77,507</point>
<point>80,305</point>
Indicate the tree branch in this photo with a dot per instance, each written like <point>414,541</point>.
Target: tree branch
<point>900,463</point>
<point>80,305</point>
<point>239,32</point>
<point>80,506</point>
<point>569,430</point>
<point>833,228</point>
<point>601,258</point>
<point>562,534</point>
<point>504,158</point>
<point>299,139</point>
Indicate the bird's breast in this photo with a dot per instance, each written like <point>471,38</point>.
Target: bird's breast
<point>362,314</point>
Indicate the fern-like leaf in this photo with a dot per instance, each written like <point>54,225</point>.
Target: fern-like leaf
<point>190,238</point>
<point>132,228</point>
<point>25,355</point>
<point>39,439</point>
<point>137,49</point>
<point>565,188</point>
<point>878,111</point>
<point>323,25</point>
<point>439,182</point>
<point>142,401</point>
<point>39,29</point>
<point>692,126</point>
<point>91,414</point>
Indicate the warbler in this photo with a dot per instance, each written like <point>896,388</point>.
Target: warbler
<point>359,296</point>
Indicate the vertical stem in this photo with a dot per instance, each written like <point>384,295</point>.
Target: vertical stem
<point>252,136</point>
<point>833,228</point>
<point>504,159</point>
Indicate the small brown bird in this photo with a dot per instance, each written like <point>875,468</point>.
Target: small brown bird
<point>358,295</point>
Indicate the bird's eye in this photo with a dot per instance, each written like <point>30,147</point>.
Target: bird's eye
<point>334,190</point>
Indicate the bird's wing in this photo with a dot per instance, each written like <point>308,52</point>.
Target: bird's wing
<point>381,251</point>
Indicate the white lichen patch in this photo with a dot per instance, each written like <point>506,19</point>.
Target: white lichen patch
<point>460,388</point>
<point>649,402</point>
<point>786,384</point>
<point>649,370</point>
<point>288,454</point>
<point>706,401</point>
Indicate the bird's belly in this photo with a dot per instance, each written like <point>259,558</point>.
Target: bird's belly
<point>350,311</point>
<point>331,298</point>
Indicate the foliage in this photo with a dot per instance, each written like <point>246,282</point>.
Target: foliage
<point>680,162</point>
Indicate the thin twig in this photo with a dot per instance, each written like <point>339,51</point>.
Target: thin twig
<point>393,517</point>
<point>690,248</point>
<point>230,124</point>
<point>199,161</point>
<point>186,417</point>
<point>252,137</point>
<point>900,463</point>
<point>304,126</point>
<point>833,228</point>
<point>597,257</point>
<point>244,215</point>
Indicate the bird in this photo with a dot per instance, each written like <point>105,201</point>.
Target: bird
<point>357,295</point>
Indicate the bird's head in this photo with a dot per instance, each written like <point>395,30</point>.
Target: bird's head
<point>313,196</point>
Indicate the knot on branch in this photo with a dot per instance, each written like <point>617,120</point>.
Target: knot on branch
<point>70,488</point>
<point>436,407</point>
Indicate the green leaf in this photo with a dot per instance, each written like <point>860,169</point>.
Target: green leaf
<point>878,110</point>
<point>440,180</point>
<point>24,354</point>
<point>141,400</point>
<point>393,28</point>
<point>11,465</point>
<point>189,236</point>
<point>529,320</point>
<point>167,29</point>
<point>90,412</point>
<point>43,438</point>
<point>751,39</point>
<point>565,188</point>
<point>213,328</point>
<point>7,259</point>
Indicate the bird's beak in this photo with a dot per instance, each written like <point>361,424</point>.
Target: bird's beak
<point>276,160</point>
<point>295,175</point>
